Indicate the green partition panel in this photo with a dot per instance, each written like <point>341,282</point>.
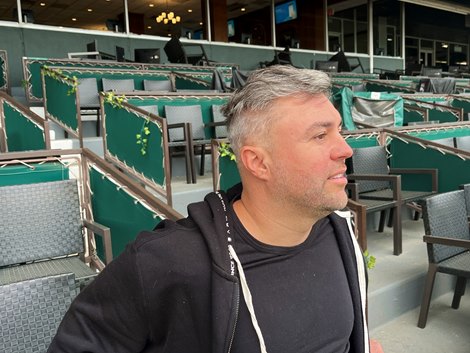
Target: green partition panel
<point>440,114</point>
<point>22,133</point>
<point>33,173</point>
<point>436,134</point>
<point>390,86</point>
<point>206,103</point>
<point>410,116</point>
<point>115,208</point>
<point>122,126</point>
<point>464,103</point>
<point>361,141</point>
<point>60,103</point>
<point>32,70</point>
<point>137,75</point>
<point>229,175</point>
<point>183,83</point>
<point>452,170</point>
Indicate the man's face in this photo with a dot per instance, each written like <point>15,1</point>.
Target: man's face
<point>308,155</point>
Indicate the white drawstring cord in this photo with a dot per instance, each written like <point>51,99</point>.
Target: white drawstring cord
<point>248,298</point>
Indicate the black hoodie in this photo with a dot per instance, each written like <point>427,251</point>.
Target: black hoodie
<point>172,290</point>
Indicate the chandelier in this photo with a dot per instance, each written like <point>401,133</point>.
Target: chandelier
<point>168,17</point>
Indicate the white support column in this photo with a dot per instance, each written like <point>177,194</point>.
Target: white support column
<point>126,17</point>
<point>208,21</point>
<point>19,11</point>
<point>273,24</point>
<point>402,16</point>
<point>370,14</point>
<point>325,15</point>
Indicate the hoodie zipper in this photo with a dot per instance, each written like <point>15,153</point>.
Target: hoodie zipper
<point>237,306</point>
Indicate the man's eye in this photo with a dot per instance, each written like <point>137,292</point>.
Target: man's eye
<point>320,136</point>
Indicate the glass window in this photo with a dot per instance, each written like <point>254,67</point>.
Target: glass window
<point>458,55</point>
<point>347,27</point>
<point>387,25</point>
<point>106,15</point>
<point>249,22</point>
<point>8,11</point>
<point>442,54</point>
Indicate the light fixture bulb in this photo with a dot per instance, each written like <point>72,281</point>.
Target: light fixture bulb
<point>159,19</point>
<point>171,15</point>
<point>173,20</point>
<point>165,21</point>
<point>178,18</point>
<point>163,14</point>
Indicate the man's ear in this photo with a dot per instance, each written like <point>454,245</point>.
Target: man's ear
<point>255,161</point>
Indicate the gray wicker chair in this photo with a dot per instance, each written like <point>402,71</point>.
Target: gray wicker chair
<point>219,122</point>
<point>32,311</point>
<point>372,206</point>
<point>448,243</point>
<point>89,99</point>
<point>369,165</point>
<point>463,143</point>
<point>192,116</point>
<point>158,85</point>
<point>42,232</point>
<point>118,85</point>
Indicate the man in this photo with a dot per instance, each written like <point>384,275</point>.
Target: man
<point>269,267</point>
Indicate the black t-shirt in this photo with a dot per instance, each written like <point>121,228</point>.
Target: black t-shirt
<point>300,294</point>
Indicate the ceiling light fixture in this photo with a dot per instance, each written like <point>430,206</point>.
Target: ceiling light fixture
<point>151,5</point>
<point>168,17</point>
<point>42,4</point>
<point>190,10</point>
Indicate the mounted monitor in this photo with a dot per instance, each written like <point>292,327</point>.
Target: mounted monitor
<point>286,11</point>
<point>230,28</point>
<point>327,66</point>
<point>343,64</point>
<point>147,55</point>
<point>120,54</point>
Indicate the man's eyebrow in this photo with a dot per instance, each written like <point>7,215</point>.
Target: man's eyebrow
<point>322,124</point>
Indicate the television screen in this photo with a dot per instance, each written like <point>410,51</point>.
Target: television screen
<point>150,55</point>
<point>230,28</point>
<point>327,66</point>
<point>286,11</point>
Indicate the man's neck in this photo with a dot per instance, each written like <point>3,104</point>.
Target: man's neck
<point>272,224</point>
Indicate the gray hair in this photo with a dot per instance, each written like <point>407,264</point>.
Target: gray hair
<point>248,109</point>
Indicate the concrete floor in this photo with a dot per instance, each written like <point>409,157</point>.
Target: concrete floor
<point>447,330</point>
<point>395,291</point>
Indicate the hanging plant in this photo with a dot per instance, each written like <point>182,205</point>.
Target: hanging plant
<point>115,101</point>
<point>57,74</point>
<point>370,260</point>
<point>226,151</point>
<point>142,137</point>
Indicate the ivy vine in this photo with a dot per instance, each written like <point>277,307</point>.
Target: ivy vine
<point>115,101</point>
<point>57,74</point>
<point>226,151</point>
<point>142,137</point>
<point>370,260</point>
